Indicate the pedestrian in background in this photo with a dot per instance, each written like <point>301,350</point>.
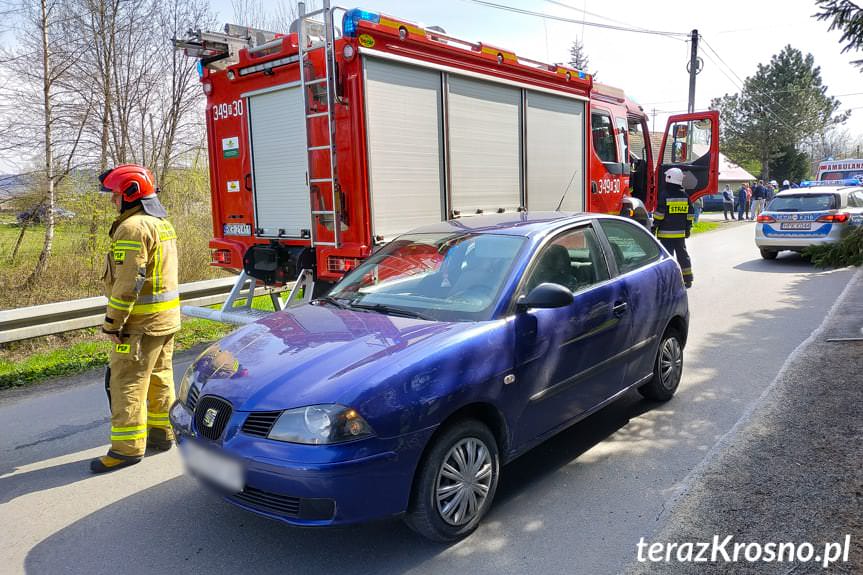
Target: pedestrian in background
<point>697,207</point>
<point>742,201</point>
<point>142,316</point>
<point>757,197</point>
<point>727,202</point>
<point>786,185</point>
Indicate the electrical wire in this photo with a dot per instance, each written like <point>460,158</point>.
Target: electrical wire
<point>525,12</point>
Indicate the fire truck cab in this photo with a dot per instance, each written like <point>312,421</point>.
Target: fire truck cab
<point>324,145</point>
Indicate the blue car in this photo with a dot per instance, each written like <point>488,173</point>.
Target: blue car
<point>445,355</point>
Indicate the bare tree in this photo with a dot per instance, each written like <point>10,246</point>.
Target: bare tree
<point>42,114</point>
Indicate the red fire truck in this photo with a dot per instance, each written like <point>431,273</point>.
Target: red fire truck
<point>323,145</point>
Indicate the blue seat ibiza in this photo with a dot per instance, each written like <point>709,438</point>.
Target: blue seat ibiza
<point>445,355</point>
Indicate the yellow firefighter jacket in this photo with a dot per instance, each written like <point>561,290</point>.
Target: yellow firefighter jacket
<point>141,276</point>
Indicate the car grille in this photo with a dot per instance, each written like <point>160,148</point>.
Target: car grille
<point>260,423</point>
<point>281,504</point>
<point>192,398</point>
<point>222,415</point>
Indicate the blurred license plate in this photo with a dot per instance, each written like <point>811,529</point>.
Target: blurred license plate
<point>221,470</point>
<point>795,226</point>
<point>237,229</point>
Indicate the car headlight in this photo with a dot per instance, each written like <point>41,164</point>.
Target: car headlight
<point>319,425</point>
<point>186,384</point>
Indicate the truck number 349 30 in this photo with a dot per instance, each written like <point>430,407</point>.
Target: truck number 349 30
<point>227,110</point>
<point>608,186</point>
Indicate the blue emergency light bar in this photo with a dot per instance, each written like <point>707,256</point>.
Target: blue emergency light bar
<point>818,183</point>
<point>353,17</point>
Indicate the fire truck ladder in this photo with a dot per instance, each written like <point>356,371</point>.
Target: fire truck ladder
<point>309,84</point>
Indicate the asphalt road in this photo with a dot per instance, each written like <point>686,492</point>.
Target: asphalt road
<point>577,504</point>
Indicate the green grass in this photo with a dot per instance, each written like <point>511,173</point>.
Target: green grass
<point>703,226</point>
<point>24,367</point>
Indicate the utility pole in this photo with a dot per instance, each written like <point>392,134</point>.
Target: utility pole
<point>694,68</point>
<point>653,126</point>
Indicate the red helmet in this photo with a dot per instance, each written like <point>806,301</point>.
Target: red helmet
<point>131,180</point>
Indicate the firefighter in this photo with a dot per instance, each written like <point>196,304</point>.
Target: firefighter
<point>142,316</point>
<point>673,221</point>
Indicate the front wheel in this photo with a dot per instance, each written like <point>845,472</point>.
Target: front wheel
<point>455,483</point>
<point>769,254</point>
<point>667,368</point>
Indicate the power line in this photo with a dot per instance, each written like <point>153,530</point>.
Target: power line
<point>574,21</point>
<point>594,14</point>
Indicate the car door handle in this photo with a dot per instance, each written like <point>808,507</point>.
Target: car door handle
<point>619,308</point>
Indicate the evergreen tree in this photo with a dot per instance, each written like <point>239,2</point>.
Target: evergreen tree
<point>578,57</point>
<point>847,17</point>
<point>783,104</point>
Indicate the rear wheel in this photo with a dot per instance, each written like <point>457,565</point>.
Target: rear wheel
<point>769,254</point>
<point>455,483</point>
<point>667,368</point>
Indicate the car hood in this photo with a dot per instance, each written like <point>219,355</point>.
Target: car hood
<point>315,354</point>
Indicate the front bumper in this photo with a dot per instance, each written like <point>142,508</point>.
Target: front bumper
<point>314,485</point>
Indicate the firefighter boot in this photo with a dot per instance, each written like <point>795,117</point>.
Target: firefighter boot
<point>112,462</point>
<point>159,440</point>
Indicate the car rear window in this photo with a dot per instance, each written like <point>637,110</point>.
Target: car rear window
<point>804,203</point>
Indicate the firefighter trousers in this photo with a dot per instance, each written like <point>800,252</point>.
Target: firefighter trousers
<point>141,391</point>
<point>677,248</point>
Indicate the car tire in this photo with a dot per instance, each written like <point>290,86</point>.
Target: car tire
<point>769,254</point>
<point>667,368</point>
<point>441,521</point>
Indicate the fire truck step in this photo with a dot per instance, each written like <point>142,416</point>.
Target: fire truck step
<point>316,115</point>
<point>334,244</point>
<point>318,81</point>
<point>320,180</point>
<point>318,148</point>
<point>323,213</point>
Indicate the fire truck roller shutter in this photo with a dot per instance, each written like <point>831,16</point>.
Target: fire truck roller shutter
<point>555,152</point>
<point>484,145</point>
<point>282,201</point>
<point>403,119</point>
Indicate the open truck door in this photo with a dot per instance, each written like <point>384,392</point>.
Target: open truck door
<point>691,143</point>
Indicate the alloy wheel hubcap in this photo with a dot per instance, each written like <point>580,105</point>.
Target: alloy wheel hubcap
<point>670,363</point>
<point>463,481</point>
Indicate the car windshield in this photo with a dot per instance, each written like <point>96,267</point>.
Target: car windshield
<point>443,277</point>
<point>804,203</point>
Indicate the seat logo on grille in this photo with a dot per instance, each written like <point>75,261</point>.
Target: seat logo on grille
<point>210,417</point>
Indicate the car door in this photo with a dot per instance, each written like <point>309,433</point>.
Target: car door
<point>565,357</point>
<point>691,143</point>
<point>643,288</point>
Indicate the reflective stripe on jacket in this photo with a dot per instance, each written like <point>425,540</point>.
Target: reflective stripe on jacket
<point>141,276</point>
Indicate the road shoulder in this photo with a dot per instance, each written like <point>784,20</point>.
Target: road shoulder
<point>790,470</point>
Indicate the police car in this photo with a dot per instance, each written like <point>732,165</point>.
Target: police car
<point>815,213</point>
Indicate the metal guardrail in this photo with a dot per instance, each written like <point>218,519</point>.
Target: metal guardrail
<point>52,318</point>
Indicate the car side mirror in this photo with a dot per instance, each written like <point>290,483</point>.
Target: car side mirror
<point>546,296</point>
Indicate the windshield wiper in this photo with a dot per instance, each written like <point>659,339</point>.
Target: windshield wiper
<point>334,301</point>
<point>389,310</point>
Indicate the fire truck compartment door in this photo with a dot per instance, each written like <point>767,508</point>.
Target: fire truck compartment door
<point>555,153</point>
<point>277,134</point>
<point>691,143</point>
<point>403,122</point>
<point>484,145</point>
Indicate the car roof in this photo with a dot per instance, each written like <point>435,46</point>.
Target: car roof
<point>815,190</point>
<point>513,223</point>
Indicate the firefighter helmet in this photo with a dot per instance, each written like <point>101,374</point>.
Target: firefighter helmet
<point>134,182</point>
<point>674,176</point>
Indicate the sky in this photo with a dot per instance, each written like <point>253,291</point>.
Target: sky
<point>651,68</point>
